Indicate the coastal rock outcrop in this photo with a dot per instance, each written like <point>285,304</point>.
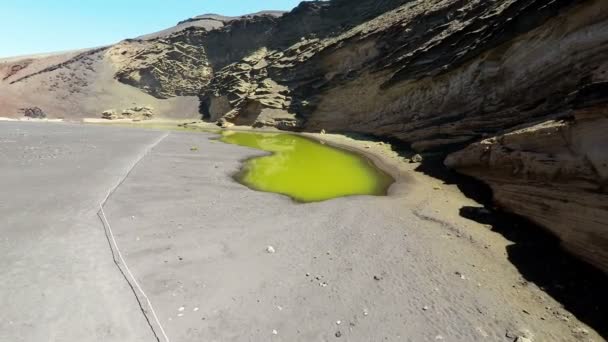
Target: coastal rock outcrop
<point>555,173</point>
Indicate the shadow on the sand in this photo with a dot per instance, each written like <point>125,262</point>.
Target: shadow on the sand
<point>581,288</point>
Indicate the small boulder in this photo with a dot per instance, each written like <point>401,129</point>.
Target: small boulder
<point>109,114</point>
<point>523,339</point>
<point>34,113</point>
<point>139,112</point>
<point>128,112</point>
<point>225,124</point>
<point>416,159</point>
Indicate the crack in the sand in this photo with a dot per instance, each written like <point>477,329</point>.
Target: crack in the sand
<point>124,269</point>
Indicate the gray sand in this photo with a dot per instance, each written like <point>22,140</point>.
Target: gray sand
<point>355,269</point>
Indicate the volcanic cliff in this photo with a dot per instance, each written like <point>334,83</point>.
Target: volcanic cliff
<point>512,92</point>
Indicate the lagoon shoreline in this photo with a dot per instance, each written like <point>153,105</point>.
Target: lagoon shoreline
<point>407,265</point>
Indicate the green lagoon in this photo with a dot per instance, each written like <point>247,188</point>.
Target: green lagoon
<point>306,170</point>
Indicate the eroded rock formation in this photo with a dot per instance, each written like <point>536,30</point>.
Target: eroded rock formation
<point>555,173</point>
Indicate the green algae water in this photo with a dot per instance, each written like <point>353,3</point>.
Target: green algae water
<point>306,170</point>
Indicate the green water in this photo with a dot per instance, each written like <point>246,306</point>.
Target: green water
<point>306,170</point>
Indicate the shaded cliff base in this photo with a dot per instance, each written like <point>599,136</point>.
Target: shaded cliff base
<point>464,207</point>
<point>536,253</point>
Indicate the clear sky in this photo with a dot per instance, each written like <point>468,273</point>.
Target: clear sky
<point>36,26</point>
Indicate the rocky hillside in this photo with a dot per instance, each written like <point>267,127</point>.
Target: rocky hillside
<point>516,90</point>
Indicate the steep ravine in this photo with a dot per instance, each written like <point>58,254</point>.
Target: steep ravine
<point>518,88</point>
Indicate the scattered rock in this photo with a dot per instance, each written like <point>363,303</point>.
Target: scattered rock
<point>580,331</point>
<point>519,335</point>
<point>270,250</point>
<point>416,159</point>
<point>225,124</point>
<point>109,115</point>
<point>128,113</point>
<point>139,112</point>
<point>34,113</point>
<point>323,131</point>
<point>136,113</point>
<point>523,339</point>
<point>274,332</point>
<point>338,334</point>
<point>377,278</point>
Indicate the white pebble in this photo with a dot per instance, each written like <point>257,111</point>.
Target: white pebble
<point>274,332</point>
<point>195,309</point>
<point>181,309</point>
<point>270,250</point>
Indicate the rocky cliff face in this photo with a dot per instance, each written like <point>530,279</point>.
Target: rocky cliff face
<point>516,88</point>
<point>554,173</point>
<point>526,76</point>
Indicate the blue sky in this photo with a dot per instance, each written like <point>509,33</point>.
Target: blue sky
<point>36,26</point>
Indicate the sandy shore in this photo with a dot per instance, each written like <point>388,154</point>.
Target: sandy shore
<point>402,267</point>
<point>26,119</point>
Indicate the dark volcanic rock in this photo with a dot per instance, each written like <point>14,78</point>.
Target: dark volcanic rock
<point>34,113</point>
